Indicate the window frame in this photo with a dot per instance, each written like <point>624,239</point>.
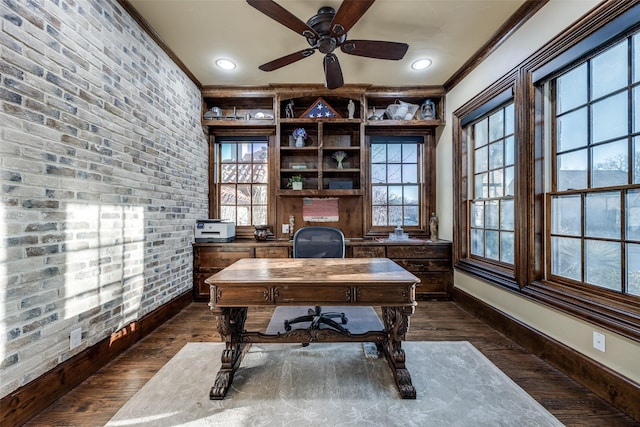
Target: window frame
<point>427,189</point>
<point>242,231</point>
<point>604,25</point>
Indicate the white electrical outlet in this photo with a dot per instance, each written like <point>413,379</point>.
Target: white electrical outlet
<point>285,228</point>
<point>598,341</point>
<point>75,338</point>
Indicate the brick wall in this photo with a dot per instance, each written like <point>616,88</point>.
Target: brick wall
<point>104,172</point>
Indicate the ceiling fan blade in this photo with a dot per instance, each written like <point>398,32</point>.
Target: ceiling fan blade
<point>332,72</point>
<point>286,60</point>
<point>348,14</point>
<point>375,49</point>
<point>278,13</point>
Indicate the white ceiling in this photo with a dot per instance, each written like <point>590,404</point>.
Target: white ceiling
<point>201,31</point>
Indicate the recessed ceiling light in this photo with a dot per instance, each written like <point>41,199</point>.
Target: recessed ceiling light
<point>226,64</point>
<point>421,64</point>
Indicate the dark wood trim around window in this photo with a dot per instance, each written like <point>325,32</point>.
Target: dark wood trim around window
<point>611,310</point>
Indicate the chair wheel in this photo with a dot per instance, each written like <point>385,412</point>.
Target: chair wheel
<point>344,320</point>
<point>287,326</point>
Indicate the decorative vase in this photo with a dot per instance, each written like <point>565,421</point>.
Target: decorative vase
<point>262,232</point>
<point>299,142</point>
<point>339,164</point>
<point>296,185</point>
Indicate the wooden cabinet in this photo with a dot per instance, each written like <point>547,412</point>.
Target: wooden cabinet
<point>430,261</point>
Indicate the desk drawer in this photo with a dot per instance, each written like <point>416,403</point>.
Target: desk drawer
<point>385,295</point>
<point>239,296</point>
<point>300,295</point>
<point>422,265</point>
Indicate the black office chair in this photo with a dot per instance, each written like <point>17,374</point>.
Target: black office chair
<point>318,242</point>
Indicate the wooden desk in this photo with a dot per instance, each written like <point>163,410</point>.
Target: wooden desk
<point>312,281</point>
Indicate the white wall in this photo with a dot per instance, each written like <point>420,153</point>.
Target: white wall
<point>622,355</point>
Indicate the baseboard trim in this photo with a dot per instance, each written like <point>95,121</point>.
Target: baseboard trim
<point>18,407</point>
<point>616,389</point>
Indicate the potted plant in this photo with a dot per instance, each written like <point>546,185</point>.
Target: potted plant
<point>295,182</point>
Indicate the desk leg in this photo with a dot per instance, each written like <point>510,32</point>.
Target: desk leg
<point>396,322</point>
<point>230,324</point>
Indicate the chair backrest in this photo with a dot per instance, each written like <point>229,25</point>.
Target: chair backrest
<point>318,242</point>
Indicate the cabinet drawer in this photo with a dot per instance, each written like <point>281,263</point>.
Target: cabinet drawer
<point>299,295</point>
<point>419,251</point>
<point>272,252</point>
<point>422,265</point>
<point>436,283</point>
<point>368,252</point>
<point>207,258</point>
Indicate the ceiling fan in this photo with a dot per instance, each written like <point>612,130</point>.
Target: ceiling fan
<point>326,31</point>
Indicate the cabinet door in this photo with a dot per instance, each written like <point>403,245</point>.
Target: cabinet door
<point>208,260</point>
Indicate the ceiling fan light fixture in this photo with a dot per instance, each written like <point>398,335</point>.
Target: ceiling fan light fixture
<point>226,64</point>
<point>421,64</point>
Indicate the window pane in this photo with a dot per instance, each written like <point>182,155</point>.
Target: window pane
<point>566,215</point>
<point>492,250</point>
<point>259,196</point>
<point>477,242</point>
<point>480,133</point>
<point>228,194</point>
<point>228,153</point>
<point>509,146</point>
<point>481,161</point>
<point>380,215</point>
<point>496,155</point>
<point>229,173</point>
<point>260,173</point>
<point>244,195</point>
<point>496,126</point>
<point>378,173</point>
<point>477,214</point>
<point>572,170</point>
<point>410,153</point>
<point>496,184</point>
<point>411,215</point>
<point>243,215</point>
<point>260,215</point>
<point>566,260</point>
<point>260,153</point>
<point>602,215</point>
<point>609,118</point>
<point>378,153</point>
<point>509,182</point>
<point>633,269</point>
<point>481,186</point>
<point>395,195</point>
<point>409,173</point>
<point>394,153</point>
<point>602,264</point>
<point>572,89</point>
<point>245,172</point>
<point>395,215</point>
<point>411,195</point>
<point>506,247</point>
<point>245,152</point>
<point>572,130</point>
<point>379,194</point>
<point>228,213</point>
<point>394,172</point>
<point>609,70</point>
<point>610,164</point>
<point>506,215</point>
<point>492,218</point>
<point>633,215</point>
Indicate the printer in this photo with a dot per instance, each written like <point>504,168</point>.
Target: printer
<point>214,231</point>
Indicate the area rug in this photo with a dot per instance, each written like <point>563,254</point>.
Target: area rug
<point>333,384</point>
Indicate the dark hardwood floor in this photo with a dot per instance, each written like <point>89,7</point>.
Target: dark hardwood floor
<point>98,398</point>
